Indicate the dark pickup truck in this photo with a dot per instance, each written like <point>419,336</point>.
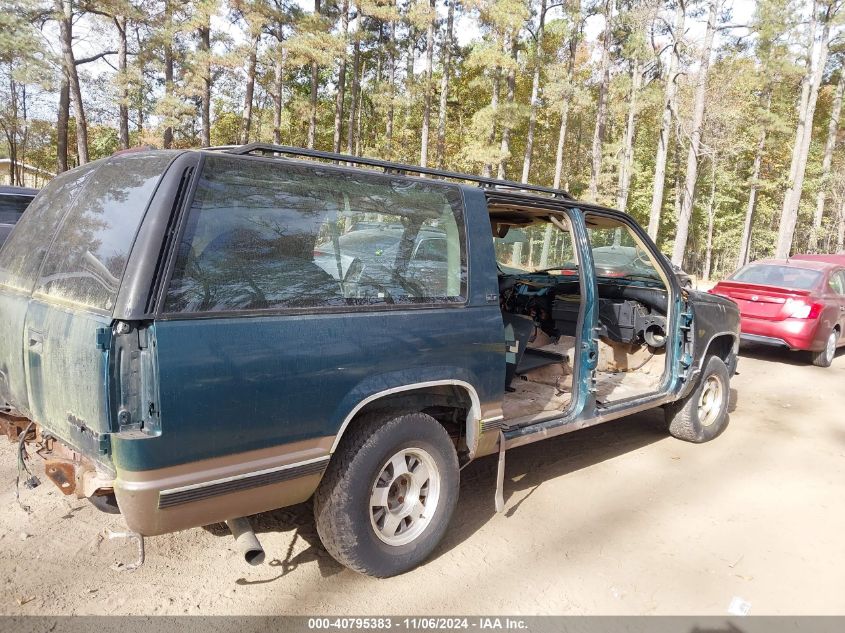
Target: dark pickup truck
<point>13,202</point>
<point>191,337</point>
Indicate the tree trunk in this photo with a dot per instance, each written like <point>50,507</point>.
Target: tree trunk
<point>535,95</point>
<point>830,145</point>
<point>803,102</point>
<point>840,234</point>
<point>25,140</point>
<point>204,32</point>
<point>249,92</point>
<point>123,104</point>
<point>62,125</point>
<point>341,79</point>
<point>601,107</point>
<point>278,98</point>
<point>627,160</point>
<point>315,81</point>
<point>506,128</point>
<point>444,84</point>
<point>359,115</point>
<point>65,8</point>
<point>666,122</point>
<point>745,241</point>
<point>408,101</point>
<point>391,105</point>
<point>11,131</point>
<point>804,132</point>
<point>682,229</point>
<point>379,52</point>
<point>494,107</point>
<point>429,62</point>
<point>711,220</point>
<point>356,61</point>
<point>561,142</point>
<point>167,141</point>
<point>564,113</point>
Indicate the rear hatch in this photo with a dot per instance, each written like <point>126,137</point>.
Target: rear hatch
<point>60,272</point>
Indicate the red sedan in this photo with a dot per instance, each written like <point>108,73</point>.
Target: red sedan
<point>799,304</point>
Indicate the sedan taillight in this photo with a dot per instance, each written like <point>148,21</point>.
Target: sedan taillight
<point>799,309</point>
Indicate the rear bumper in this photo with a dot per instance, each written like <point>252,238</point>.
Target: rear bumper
<point>796,334</point>
<point>211,491</point>
<point>763,340</point>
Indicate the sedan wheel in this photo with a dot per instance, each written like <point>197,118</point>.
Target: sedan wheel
<point>824,358</point>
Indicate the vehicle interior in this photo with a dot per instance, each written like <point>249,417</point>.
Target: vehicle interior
<point>541,301</point>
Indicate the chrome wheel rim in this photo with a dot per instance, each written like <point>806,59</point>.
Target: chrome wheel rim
<point>404,496</point>
<point>710,401</point>
<point>830,349</point>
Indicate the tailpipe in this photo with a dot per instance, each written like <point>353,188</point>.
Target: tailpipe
<point>246,540</point>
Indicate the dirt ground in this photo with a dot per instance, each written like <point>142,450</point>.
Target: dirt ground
<point>617,519</point>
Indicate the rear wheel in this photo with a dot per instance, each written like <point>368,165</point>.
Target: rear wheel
<point>824,358</point>
<point>388,494</point>
<point>703,414</point>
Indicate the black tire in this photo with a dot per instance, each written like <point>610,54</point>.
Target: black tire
<point>343,512</point>
<point>685,417</point>
<point>824,358</point>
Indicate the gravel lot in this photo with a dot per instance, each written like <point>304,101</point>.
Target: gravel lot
<point>617,519</point>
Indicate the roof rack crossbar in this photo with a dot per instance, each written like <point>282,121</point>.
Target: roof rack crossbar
<point>391,167</point>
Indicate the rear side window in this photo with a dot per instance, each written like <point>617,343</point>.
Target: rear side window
<point>269,234</point>
<point>774,275</point>
<point>12,208</point>
<point>85,263</point>
<point>23,252</point>
<point>837,282</point>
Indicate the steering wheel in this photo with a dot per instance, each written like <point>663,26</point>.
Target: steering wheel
<point>642,257</point>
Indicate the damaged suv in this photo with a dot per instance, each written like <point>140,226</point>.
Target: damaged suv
<point>191,337</point>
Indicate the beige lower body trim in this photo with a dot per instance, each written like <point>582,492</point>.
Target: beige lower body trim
<point>237,485</point>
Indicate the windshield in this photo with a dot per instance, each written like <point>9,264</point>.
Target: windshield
<point>539,248</point>
<point>546,249</point>
<point>617,253</point>
<point>776,275</point>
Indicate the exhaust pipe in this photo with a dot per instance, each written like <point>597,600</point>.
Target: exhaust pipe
<point>246,540</point>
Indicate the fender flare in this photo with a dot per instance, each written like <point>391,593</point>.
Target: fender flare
<point>473,421</point>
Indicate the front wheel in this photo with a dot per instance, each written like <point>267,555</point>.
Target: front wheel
<point>388,495</point>
<point>703,413</point>
<point>824,358</point>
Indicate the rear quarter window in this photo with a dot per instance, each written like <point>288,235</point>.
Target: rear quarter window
<point>86,261</point>
<point>22,254</point>
<point>837,282</point>
<point>267,234</point>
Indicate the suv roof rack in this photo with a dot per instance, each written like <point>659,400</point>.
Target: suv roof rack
<point>268,149</point>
